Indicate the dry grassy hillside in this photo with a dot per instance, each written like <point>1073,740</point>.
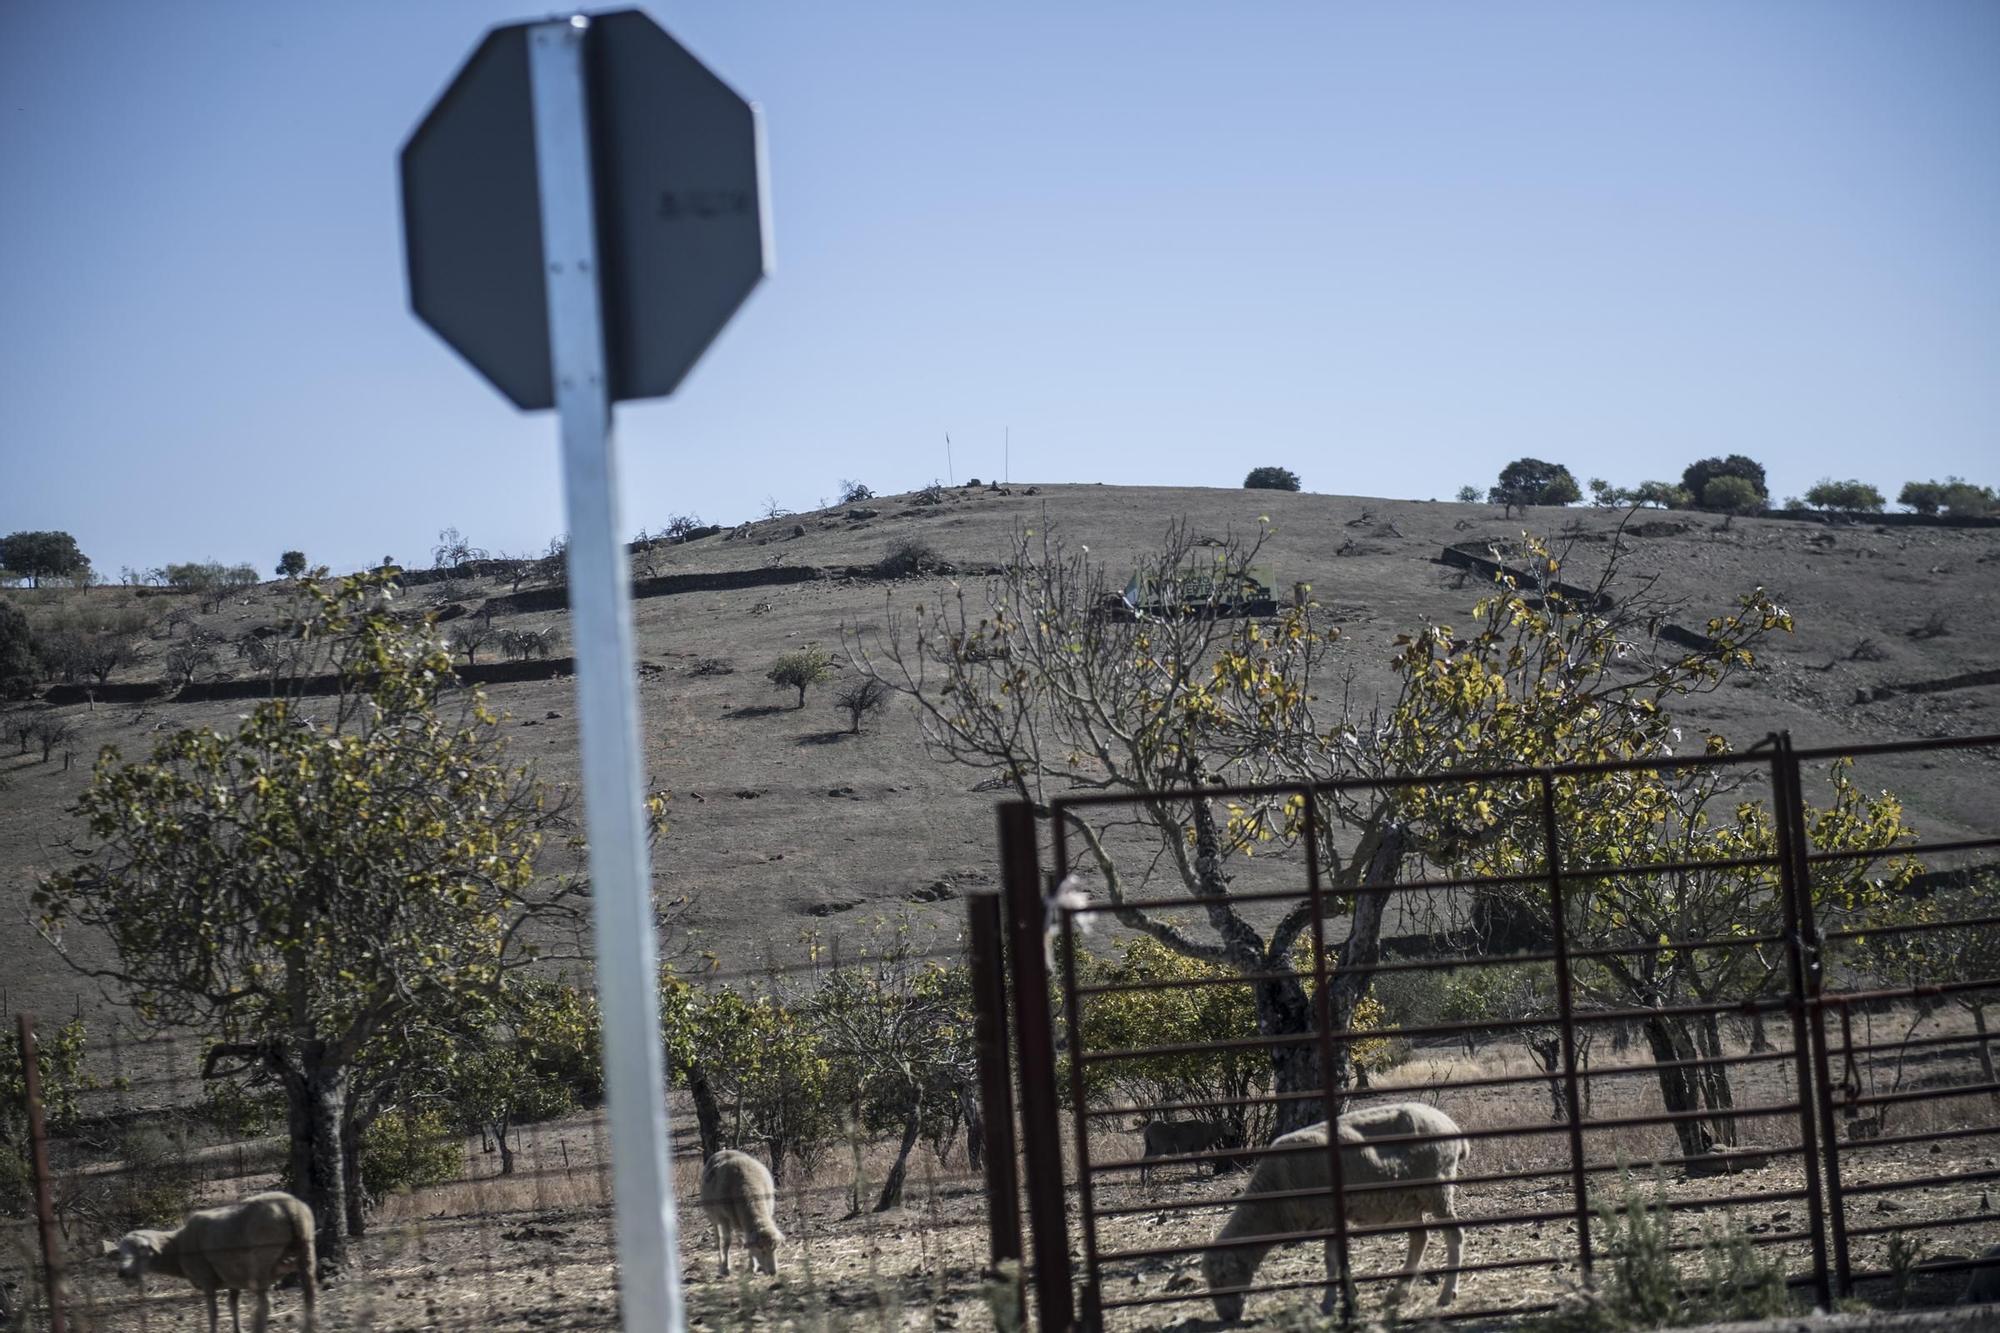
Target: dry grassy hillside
<point>781,824</point>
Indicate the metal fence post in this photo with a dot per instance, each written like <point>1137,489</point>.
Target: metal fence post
<point>996,1096</point>
<point>1034,1038</point>
<point>38,1163</point>
<point>1329,1085</point>
<point>1566,1012</point>
<point>1789,793</point>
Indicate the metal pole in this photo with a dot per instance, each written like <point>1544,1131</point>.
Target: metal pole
<point>1566,1011</point>
<point>1093,1310</point>
<point>1784,774</point>
<point>38,1163</point>
<point>996,1096</point>
<point>1792,813</point>
<point>1041,1132</point>
<point>607,700</point>
<point>1329,1086</point>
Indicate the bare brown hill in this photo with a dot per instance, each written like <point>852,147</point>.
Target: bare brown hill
<point>781,824</point>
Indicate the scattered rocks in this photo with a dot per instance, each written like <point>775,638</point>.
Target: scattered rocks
<point>833,907</point>
<point>746,794</point>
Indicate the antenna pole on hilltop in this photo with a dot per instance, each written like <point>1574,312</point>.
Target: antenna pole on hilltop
<point>1007,458</point>
<point>947,460</point>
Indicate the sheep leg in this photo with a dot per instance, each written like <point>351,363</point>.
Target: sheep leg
<point>1454,1241</point>
<point>262,1320</point>
<point>722,1230</point>
<point>1332,1278</point>
<point>1413,1261</point>
<point>213,1315</point>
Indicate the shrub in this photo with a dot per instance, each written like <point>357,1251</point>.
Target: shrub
<point>1698,475</point>
<point>1271,479</point>
<point>408,1150</point>
<point>157,1186</point>
<point>1925,497</point>
<point>18,657</point>
<point>1954,495</point>
<point>854,492</point>
<point>1659,494</point>
<point>799,670</point>
<point>1530,481</point>
<point>1470,495</point>
<point>1856,497</point>
<point>862,697</point>
<point>291,564</point>
<point>907,556</point>
<point>1732,495</point>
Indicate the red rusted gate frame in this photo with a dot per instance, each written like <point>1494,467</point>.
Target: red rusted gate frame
<point>1036,917</point>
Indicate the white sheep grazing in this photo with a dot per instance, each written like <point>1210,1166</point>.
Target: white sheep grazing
<point>1170,1138</point>
<point>737,1194</point>
<point>241,1246</point>
<point>1425,1172</point>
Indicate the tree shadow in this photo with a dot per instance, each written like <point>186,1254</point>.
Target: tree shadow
<point>757,710</point>
<point>824,737</point>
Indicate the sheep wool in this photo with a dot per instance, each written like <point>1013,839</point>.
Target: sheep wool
<point>1383,1184</point>
<point>738,1195</point>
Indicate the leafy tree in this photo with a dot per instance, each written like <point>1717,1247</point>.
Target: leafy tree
<point>1698,475</point>
<point>799,670</point>
<point>861,698</point>
<point>233,874</point>
<point>291,564</point>
<point>1924,497</point>
<point>1657,494</point>
<point>85,642</point>
<point>898,1037</point>
<point>1271,479</point>
<point>19,659</point>
<point>761,1066</point>
<point>40,555</point>
<point>1530,481</point>
<point>1854,497</point>
<point>59,1057</point>
<point>1029,682</point>
<point>1470,495</point>
<point>1954,495</point>
<point>1732,495</point>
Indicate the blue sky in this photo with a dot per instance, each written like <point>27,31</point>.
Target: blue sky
<point>1391,246</point>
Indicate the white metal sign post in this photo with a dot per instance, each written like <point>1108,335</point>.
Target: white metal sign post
<point>600,608</point>
<point>584,208</point>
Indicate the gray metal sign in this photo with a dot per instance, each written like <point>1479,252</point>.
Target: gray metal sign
<point>678,167</point>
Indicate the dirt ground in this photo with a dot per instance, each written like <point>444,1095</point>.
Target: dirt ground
<point>532,1251</point>
<point>822,831</point>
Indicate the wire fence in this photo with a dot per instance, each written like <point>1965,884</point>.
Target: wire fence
<point>466,1223</point>
<point>1757,1056</point>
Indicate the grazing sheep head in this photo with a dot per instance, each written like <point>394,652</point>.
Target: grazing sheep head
<point>1223,1269</point>
<point>764,1256</point>
<point>135,1252</point>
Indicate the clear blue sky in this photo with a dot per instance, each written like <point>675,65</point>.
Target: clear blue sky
<point>1390,246</point>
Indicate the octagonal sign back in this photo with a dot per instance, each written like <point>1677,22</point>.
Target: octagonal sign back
<point>680,200</point>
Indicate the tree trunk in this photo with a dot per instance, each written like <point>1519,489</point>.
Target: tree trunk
<point>356,1204</point>
<point>1759,1042</point>
<point>707,1115</point>
<point>317,1111</point>
<point>1716,1088</point>
<point>1678,1087</point>
<point>1548,1053</point>
<point>892,1188</point>
<point>975,1127</point>
<point>500,1128</point>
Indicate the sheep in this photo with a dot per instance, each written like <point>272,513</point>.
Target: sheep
<point>1170,1138</point>
<point>1425,1171</point>
<point>737,1194</point>
<point>240,1246</point>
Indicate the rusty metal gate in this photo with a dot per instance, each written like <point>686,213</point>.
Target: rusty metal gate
<point>1813,1151</point>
